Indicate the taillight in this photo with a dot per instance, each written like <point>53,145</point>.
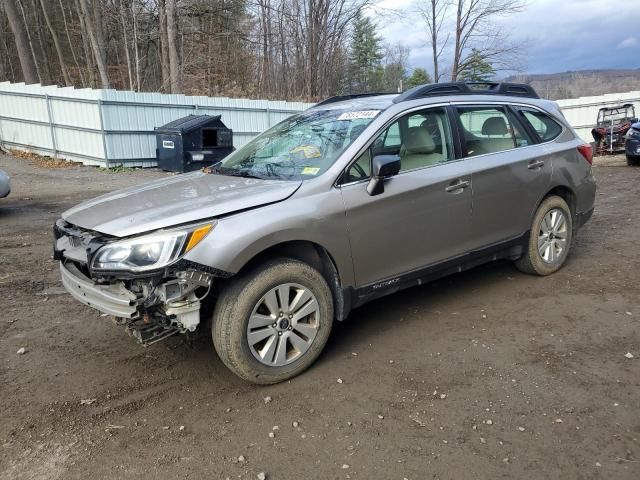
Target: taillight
<point>586,151</point>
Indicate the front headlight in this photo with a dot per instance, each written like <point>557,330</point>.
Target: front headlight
<point>149,252</point>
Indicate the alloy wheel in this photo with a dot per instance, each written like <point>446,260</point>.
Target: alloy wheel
<point>283,324</point>
<point>552,237</point>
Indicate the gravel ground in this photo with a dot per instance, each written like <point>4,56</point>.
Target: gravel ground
<point>485,374</point>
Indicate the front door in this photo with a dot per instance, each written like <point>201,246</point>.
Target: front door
<point>423,215</point>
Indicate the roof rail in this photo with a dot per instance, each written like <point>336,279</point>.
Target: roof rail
<point>468,88</point>
<point>339,98</point>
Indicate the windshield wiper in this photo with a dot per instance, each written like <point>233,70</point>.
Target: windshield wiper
<point>244,175</point>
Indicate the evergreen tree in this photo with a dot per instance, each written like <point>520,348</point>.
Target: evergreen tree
<point>365,56</point>
<point>419,77</point>
<point>476,68</point>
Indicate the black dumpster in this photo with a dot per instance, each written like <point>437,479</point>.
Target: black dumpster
<point>192,142</point>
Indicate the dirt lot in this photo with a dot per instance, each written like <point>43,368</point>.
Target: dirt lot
<point>486,374</point>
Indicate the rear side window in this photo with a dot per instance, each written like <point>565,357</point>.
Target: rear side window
<point>546,128</point>
<point>489,130</point>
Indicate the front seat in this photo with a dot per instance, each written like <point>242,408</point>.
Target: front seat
<point>418,149</point>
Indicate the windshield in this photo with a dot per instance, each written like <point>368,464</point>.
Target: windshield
<point>299,148</point>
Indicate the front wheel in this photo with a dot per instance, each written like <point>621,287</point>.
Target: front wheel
<point>550,238</point>
<point>271,323</point>
<point>633,161</point>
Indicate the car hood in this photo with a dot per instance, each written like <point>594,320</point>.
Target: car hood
<point>175,200</point>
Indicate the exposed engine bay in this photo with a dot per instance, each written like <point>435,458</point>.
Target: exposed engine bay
<point>151,306</point>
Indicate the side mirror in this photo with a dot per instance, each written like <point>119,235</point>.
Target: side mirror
<point>382,166</point>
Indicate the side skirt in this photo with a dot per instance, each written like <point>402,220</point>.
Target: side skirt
<point>512,249</point>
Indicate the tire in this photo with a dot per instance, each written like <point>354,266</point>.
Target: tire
<point>633,161</point>
<point>532,261</point>
<point>248,301</point>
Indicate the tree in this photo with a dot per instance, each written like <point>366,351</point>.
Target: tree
<point>365,56</point>
<point>474,28</point>
<point>434,13</point>
<point>172,29</point>
<point>56,42</point>
<point>419,77</point>
<point>476,68</point>
<point>395,68</point>
<point>22,42</point>
<point>95,41</point>
<point>284,49</point>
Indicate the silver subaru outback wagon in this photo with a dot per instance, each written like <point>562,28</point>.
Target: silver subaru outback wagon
<point>355,198</point>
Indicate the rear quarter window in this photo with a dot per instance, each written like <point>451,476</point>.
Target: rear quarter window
<point>546,127</point>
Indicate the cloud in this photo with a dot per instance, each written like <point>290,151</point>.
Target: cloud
<point>555,36</point>
<point>629,42</point>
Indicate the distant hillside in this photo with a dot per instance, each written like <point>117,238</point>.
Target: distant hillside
<point>582,83</point>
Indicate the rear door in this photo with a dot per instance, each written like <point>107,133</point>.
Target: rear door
<point>510,171</point>
<point>422,217</point>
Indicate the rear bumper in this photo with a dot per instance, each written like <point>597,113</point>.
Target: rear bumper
<point>112,299</point>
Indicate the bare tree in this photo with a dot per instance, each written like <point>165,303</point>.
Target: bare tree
<point>164,49</point>
<point>98,54</point>
<point>285,49</point>
<point>70,44</point>
<point>125,41</point>
<point>56,43</point>
<point>435,13</point>
<point>22,42</point>
<point>174,66</point>
<point>474,28</point>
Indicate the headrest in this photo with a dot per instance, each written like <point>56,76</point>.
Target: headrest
<point>495,126</point>
<point>430,123</point>
<point>419,140</point>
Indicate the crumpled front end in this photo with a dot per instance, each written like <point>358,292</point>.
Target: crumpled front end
<point>151,305</point>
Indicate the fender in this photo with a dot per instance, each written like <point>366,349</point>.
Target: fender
<point>236,239</point>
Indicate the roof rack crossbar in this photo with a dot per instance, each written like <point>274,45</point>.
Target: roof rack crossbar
<point>468,88</point>
<point>350,96</point>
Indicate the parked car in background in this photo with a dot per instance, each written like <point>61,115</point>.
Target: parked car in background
<point>355,198</point>
<point>632,145</point>
<point>5,184</point>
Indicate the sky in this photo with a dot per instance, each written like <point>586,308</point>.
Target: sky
<point>557,35</point>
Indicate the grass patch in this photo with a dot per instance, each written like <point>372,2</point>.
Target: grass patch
<point>117,169</point>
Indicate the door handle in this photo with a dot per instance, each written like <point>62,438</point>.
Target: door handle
<point>458,186</point>
<point>535,165</point>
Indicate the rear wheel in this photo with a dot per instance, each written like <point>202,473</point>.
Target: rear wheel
<point>272,323</point>
<point>550,238</point>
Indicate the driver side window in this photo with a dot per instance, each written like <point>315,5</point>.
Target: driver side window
<point>421,139</point>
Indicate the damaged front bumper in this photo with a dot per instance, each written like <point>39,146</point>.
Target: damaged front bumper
<point>113,299</point>
<point>152,307</point>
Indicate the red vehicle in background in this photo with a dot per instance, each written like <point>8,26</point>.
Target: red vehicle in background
<point>612,127</point>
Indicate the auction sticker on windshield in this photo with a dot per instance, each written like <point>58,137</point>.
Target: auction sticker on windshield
<point>360,114</point>
<point>310,170</point>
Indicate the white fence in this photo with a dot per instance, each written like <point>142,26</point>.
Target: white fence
<point>109,127</point>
